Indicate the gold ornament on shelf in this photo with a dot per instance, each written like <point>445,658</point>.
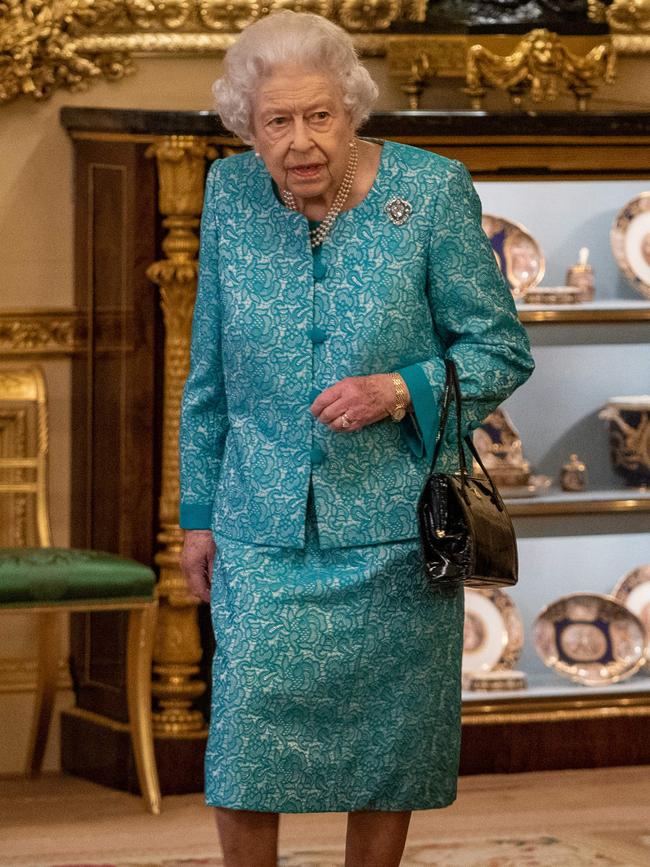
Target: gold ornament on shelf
<point>537,66</point>
<point>369,15</point>
<point>422,72</point>
<point>629,16</point>
<point>581,276</point>
<point>573,476</point>
<point>181,162</point>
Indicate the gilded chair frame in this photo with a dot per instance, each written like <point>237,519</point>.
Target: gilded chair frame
<point>26,385</point>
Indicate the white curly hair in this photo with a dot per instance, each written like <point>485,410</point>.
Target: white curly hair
<point>284,37</point>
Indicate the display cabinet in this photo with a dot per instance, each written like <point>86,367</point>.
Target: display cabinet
<point>563,176</point>
<point>574,541</point>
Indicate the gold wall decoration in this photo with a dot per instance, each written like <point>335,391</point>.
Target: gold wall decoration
<point>42,332</point>
<point>181,162</point>
<point>48,44</point>
<point>539,64</point>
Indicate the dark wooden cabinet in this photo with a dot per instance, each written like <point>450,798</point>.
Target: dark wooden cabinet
<point>117,395</point>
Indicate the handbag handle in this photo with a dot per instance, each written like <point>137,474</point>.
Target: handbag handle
<point>451,394</point>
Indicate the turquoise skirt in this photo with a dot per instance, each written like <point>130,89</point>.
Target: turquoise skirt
<point>336,679</point>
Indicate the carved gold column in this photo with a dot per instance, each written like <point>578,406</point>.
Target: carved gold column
<point>181,164</point>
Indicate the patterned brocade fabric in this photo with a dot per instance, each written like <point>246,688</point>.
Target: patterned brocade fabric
<point>271,331</point>
<point>336,679</point>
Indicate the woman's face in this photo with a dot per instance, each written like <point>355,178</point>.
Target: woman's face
<point>302,132</point>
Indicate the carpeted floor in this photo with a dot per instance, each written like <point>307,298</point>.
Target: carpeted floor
<point>557,819</point>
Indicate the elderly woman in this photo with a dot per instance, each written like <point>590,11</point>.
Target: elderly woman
<point>336,273</point>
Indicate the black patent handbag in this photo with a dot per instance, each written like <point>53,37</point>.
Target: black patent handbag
<point>466,533</point>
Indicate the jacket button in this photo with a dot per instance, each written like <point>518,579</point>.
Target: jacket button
<point>317,455</point>
<point>317,334</point>
<point>320,270</point>
<point>313,394</point>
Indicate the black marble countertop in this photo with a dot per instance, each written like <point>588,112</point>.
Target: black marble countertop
<point>381,124</point>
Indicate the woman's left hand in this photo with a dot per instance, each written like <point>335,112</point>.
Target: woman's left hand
<point>354,402</point>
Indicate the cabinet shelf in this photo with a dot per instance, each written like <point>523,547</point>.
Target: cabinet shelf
<point>608,310</point>
<point>548,697</point>
<point>582,503</point>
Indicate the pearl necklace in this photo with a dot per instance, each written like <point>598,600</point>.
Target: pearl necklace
<point>318,235</point>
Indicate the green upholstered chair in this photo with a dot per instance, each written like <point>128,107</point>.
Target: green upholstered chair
<point>48,581</point>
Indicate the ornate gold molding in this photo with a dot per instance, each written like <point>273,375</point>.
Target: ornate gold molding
<point>19,675</point>
<point>64,331</point>
<point>42,332</point>
<point>566,709</point>
<point>47,44</point>
<point>447,55</point>
<point>537,67</point>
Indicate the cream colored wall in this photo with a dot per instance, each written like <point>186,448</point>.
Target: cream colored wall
<point>36,270</point>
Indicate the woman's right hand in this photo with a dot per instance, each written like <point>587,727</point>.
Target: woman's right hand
<point>197,561</point>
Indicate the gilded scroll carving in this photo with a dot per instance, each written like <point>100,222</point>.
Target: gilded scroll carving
<point>48,44</point>
<point>538,66</point>
<point>41,332</point>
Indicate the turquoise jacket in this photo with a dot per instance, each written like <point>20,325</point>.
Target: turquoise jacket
<point>274,326</point>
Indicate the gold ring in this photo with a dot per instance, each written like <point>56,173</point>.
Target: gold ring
<point>345,421</point>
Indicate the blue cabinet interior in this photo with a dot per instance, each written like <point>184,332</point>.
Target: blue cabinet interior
<point>579,367</point>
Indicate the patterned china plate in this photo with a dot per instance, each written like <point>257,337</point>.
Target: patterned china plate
<point>633,591</point>
<point>630,240</point>
<point>494,633</point>
<point>519,255</point>
<point>590,638</point>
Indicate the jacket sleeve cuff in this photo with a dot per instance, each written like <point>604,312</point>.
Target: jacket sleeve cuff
<point>195,516</point>
<point>419,428</point>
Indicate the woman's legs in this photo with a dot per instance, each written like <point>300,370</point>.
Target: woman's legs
<point>247,837</point>
<point>376,838</point>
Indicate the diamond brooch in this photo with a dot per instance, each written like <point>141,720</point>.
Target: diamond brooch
<point>398,210</point>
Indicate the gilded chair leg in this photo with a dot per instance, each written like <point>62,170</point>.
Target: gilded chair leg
<point>142,623</point>
<point>50,632</point>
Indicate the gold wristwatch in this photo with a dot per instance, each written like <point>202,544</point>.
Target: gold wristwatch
<point>398,412</point>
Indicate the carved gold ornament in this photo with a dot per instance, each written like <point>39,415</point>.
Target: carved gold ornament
<point>181,164</point>
<point>538,66</point>
<point>629,16</point>
<point>47,44</point>
<point>42,332</point>
<point>422,73</point>
<point>38,52</point>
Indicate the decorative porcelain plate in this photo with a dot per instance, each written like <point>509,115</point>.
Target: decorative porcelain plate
<point>633,591</point>
<point>494,633</point>
<point>630,240</point>
<point>519,255</point>
<point>590,638</point>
